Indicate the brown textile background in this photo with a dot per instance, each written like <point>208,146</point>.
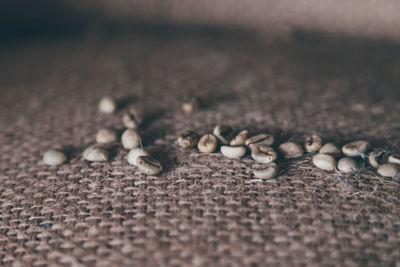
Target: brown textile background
<point>204,210</point>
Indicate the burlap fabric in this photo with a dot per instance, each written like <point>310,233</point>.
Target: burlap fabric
<point>203,210</point>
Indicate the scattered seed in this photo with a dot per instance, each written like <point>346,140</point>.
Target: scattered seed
<point>107,105</point>
<point>330,149</point>
<point>233,152</point>
<point>132,119</point>
<point>224,133</point>
<point>394,158</point>
<point>388,170</point>
<point>291,150</point>
<point>313,143</point>
<point>130,139</point>
<point>356,148</point>
<point>263,153</point>
<point>95,153</point>
<point>208,143</point>
<point>105,136</point>
<point>135,153</point>
<point>191,105</point>
<point>265,139</point>
<point>347,165</point>
<point>188,139</point>
<point>377,157</point>
<point>239,139</point>
<point>324,161</point>
<point>148,165</point>
<point>266,171</point>
<point>54,157</point>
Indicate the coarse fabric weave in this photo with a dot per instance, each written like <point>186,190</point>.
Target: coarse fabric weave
<point>203,210</point>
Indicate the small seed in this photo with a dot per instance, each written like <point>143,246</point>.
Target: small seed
<point>265,139</point>
<point>148,165</point>
<point>239,139</point>
<point>355,149</point>
<point>388,170</point>
<point>233,152</point>
<point>313,143</point>
<point>208,143</point>
<point>224,133</point>
<point>191,105</point>
<point>263,153</point>
<point>95,153</point>
<point>132,119</point>
<point>130,139</point>
<point>54,157</point>
<point>330,149</point>
<point>188,139</point>
<point>394,158</point>
<point>291,150</point>
<point>135,153</point>
<point>377,157</point>
<point>324,161</point>
<point>107,105</point>
<point>266,171</point>
<point>105,136</point>
<point>347,165</point>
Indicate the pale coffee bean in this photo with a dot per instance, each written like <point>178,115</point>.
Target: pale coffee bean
<point>223,133</point>
<point>313,143</point>
<point>356,148</point>
<point>233,152</point>
<point>208,143</point>
<point>239,139</point>
<point>132,118</point>
<point>377,157</point>
<point>291,150</point>
<point>324,161</point>
<point>107,105</point>
<point>105,136</point>
<point>148,165</point>
<point>388,170</point>
<point>135,153</point>
<point>130,139</point>
<point>54,157</point>
<point>95,153</point>
<point>266,171</point>
<point>263,153</point>
<point>190,106</point>
<point>265,139</point>
<point>188,139</point>
<point>347,165</point>
<point>394,158</point>
<point>330,149</point>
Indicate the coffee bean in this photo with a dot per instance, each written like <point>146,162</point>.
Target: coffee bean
<point>130,139</point>
<point>330,149</point>
<point>265,139</point>
<point>324,161</point>
<point>223,133</point>
<point>394,158</point>
<point>107,105</point>
<point>188,139</point>
<point>135,153</point>
<point>356,148</point>
<point>95,153</point>
<point>132,118</point>
<point>208,143</point>
<point>105,136</point>
<point>266,171</point>
<point>388,170</point>
<point>313,143</point>
<point>54,157</point>
<point>239,139</point>
<point>263,153</point>
<point>377,157</point>
<point>191,105</point>
<point>347,165</point>
<point>291,150</point>
<point>233,152</point>
<point>148,165</point>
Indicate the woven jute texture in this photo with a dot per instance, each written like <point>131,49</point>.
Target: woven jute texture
<point>203,210</point>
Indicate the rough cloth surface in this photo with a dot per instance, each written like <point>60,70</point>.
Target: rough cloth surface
<point>203,210</point>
